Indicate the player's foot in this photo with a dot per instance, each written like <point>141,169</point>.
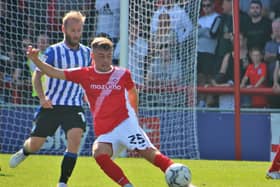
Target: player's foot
<point>17,158</point>
<point>273,175</point>
<point>61,184</point>
<point>128,185</point>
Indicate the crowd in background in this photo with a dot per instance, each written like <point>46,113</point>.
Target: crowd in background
<point>259,46</point>
<point>169,29</point>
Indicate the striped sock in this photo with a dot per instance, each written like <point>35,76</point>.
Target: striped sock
<point>67,165</point>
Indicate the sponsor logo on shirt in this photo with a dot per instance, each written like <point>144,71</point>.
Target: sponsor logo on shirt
<point>105,86</point>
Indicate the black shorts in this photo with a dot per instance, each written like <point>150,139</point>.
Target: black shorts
<point>206,64</point>
<point>48,120</point>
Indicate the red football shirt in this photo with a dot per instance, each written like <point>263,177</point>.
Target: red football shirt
<point>254,74</point>
<point>106,93</point>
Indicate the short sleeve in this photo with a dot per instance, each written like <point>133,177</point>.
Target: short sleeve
<point>48,56</point>
<point>75,74</point>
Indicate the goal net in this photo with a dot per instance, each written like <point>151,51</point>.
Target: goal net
<point>161,56</point>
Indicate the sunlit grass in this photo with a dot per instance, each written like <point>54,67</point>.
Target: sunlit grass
<point>43,171</point>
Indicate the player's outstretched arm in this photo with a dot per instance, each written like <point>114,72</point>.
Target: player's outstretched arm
<point>51,71</point>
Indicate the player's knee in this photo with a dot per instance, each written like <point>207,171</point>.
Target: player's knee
<point>34,144</point>
<point>74,143</point>
<point>97,151</point>
<point>74,137</point>
<point>100,149</point>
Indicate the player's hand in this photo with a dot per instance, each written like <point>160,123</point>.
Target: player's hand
<point>32,53</point>
<point>46,102</point>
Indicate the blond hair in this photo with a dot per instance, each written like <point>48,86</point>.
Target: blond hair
<point>102,43</point>
<point>75,15</point>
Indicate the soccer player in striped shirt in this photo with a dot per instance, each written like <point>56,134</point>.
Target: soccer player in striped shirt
<point>113,100</point>
<point>61,104</point>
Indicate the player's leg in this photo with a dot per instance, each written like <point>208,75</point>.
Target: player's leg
<point>73,124</point>
<point>102,153</point>
<point>136,139</point>
<point>31,145</point>
<point>70,155</point>
<point>273,171</point>
<point>44,126</point>
<point>155,157</point>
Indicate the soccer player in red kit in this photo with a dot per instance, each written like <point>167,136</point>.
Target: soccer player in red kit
<point>114,105</point>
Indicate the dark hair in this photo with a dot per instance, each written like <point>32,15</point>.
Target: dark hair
<point>258,2</point>
<point>255,48</point>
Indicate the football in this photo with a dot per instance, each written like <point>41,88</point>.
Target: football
<point>178,175</point>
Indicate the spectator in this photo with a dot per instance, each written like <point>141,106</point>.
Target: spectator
<point>217,7</point>
<point>207,43</point>
<point>165,68</point>
<point>225,76</point>
<point>274,100</point>
<point>276,74</point>
<point>22,79</point>
<point>271,49</point>
<point>244,6</point>
<point>225,34</point>
<point>275,9</point>
<point>163,38</point>
<point>137,53</point>
<point>258,27</point>
<point>7,75</point>
<point>180,22</point>
<point>42,43</point>
<point>108,18</point>
<point>256,74</point>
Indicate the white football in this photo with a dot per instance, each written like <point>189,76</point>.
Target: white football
<point>178,175</point>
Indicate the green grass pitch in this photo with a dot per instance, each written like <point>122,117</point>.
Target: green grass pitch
<point>43,171</point>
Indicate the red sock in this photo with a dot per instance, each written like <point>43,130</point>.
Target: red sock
<point>163,162</point>
<point>111,169</point>
<point>275,166</point>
